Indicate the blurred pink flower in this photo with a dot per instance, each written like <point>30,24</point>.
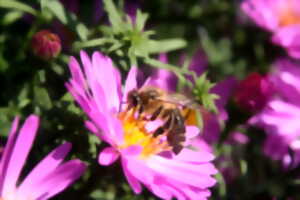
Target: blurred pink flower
<point>145,159</point>
<point>237,138</point>
<point>253,92</point>
<point>45,44</point>
<point>280,118</point>
<point>281,17</point>
<point>47,179</point>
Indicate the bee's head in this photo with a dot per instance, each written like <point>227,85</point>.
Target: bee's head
<point>133,97</point>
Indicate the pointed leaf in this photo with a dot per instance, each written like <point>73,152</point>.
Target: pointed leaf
<point>114,16</point>
<point>141,19</point>
<point>163,46</point>
<point>12,4</point>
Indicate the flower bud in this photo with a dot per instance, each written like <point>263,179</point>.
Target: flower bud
<point>46,45</point>
<point>253,93</point>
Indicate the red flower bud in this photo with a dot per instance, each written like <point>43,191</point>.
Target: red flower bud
<point>46,45</point>
<point>253,93</point>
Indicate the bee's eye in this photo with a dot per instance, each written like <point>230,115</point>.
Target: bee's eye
<point>133,93</point>
<point>153,94</point>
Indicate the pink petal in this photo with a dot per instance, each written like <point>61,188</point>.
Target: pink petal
<point>160,190</point>
<point>191,174</point>
<point>108,156</point>
<point>262,12</point>
<point>45,167</point>
<point>58,180</point>
<point>133,150</point>
<point>105,73</point>
<point>287,36</point>
<point>76,72</point>
<point>133,182</point>
<point>191,132</point>
<point>87,66</point>
<point>7,153</point>
<point>20,152</point>
<point>200,156</point>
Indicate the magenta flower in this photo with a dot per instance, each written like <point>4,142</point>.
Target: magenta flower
<point>253,92</point>
<point>280,118</point>
<point>145,159</point>
<point>281,17</point>
<point>47,179</point>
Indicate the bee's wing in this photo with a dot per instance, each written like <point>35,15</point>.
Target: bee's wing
<point>182,100</point>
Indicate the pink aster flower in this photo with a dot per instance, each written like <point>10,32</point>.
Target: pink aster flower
<point>145,159</point>
<point>281,17</point>
<point>47,179</point>
<point>281,116</point>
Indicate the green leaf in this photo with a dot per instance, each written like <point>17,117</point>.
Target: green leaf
<point>11,17</point>
<point>158,64</point>
<point>4,64</point>
<point>140,20</point>
<point>114,16</point>
<point>57,9</point>
<point>217,51</point>
<point>117,45</point>
<point>165,45</point>
<point>222,185</point>
<point>66,18</point>
<point>42,98</point>
<point>203,95</point>
<point>12,4</point>
<point>7,115</point>
<point>43,4</point>
<point>82,31</point>
<point>67,97</point>
<point>23,99</point>
<point>92,43</point>
<point>94,142</point>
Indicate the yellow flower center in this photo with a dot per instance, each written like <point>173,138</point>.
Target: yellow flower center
<point>288,16</point>
<point>135,133</point>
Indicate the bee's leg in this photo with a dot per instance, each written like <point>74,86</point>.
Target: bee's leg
<point>140,110</point>
<point>156,113</point>
<point>176,140</point>
<point>167,113</point>
<point>176,135</point>
<point>160,130</point>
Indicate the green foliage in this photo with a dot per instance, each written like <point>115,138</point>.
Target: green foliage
<point>128,39</point>
<point>203,95</point>
<point>65,17</point>
<point>17,5</point>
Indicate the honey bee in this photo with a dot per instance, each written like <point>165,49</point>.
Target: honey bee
<point>176,110</point>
